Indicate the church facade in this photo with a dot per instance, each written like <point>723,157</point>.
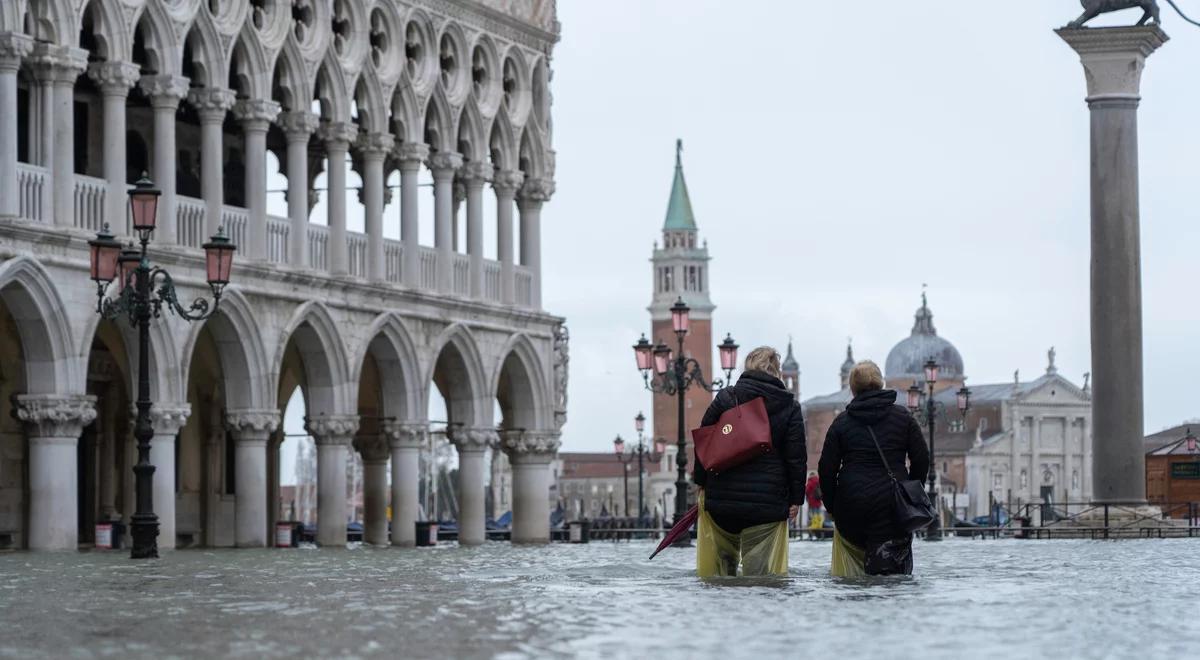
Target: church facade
<point>371,109</point>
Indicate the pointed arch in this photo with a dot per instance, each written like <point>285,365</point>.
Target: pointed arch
<point>472,143</point>
<point>323,357</point>
<point>207,67</point>
<point>532,159</point>
<point>53,21</point>
<point>240,350</point>
<point>109,27</point>
<point>158,37</point>
<point>390,344</point>
<point>457,371</point>
<point>331,91</point>
<point>372,110</point>
<point>440,131</point>
<point>519,383</point>
<point>249,72</point>
<point>502,144</point>
<point>291,86</point>
<point>407,118</point>
<point>51,362</point>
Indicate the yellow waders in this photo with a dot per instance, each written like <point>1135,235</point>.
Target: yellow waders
<point>848,559</point>
<point>760,550</point>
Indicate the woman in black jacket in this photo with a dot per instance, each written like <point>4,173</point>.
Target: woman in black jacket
<point>855,483</point>
<point>745,508</point>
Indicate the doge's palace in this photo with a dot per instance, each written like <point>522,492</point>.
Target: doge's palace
<point>214,98</point>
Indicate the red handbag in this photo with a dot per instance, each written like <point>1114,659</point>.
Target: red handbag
<point>742,433</point>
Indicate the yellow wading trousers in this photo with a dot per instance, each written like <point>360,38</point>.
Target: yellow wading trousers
<point>761,550</point>
<point>848,559</point>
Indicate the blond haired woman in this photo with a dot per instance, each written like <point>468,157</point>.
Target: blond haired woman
<point>744,510</point>
<point>854,480</point>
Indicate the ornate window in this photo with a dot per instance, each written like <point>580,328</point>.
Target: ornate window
<point>414,50</point>
<point>448,61</point>
<point>380,42</point>
<point>341,27</point>
<point>479,72</point>
<point>302,19</point>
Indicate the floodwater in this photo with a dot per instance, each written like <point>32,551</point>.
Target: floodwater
<point>969,599</point>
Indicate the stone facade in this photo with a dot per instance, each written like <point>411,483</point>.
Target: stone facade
<point>198,94</point>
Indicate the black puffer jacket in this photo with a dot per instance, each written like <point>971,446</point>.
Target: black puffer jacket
<point>759,491</point>
<point>856,486</point>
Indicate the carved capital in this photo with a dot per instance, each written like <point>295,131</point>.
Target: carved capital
<point>114,78</point>
<point>537,190</point>
<point>166,420</point>
<point>405,435</point>
<point>1113,58</point>
<point>56,415</point>
<point>374,448</point>
<point>444,163</point>
<point>14,47</point>
<point>411,155</point>
<point>332,429</point>
<point>256,114</point>
<point>211,103</point>
<point>165,91</point>
<point>467,439</point>
<point>298,125</point>
<point>507,182</point>
<point>374,145</point>
<point>250,424</point>
<point>59,65</point>
<point>341,134</point>
<point>475,173</point>
<point>530,445</point>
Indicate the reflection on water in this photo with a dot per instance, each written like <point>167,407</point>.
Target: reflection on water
<point>1062,599</point>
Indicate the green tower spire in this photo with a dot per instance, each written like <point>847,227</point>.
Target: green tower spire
<point>679,209</point>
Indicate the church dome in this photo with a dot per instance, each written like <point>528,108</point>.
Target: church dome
<point>906,361</point>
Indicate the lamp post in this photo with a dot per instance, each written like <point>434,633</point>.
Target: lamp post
<point>919,402</point>
<point>674,375</point>
<point>141,294</point>
<point>641,450</point>
<point>619,450</point>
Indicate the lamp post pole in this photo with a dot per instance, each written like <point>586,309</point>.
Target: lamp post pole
<point>142,293</point>
<point>922,401</point>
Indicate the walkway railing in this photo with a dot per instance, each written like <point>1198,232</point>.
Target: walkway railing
<point>89,202</point>
<point>393,260</point>
<point>356,244</point>
<point>318,247</point>
<point>277,239</point>
<point>190,225</point>
<point>31,189</point>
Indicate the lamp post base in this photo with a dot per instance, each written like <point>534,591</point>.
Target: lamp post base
<point>144,530</point>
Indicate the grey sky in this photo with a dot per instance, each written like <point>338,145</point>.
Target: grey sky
<point>838,156</point>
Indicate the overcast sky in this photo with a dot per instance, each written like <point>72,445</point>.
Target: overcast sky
<point>839,155</point>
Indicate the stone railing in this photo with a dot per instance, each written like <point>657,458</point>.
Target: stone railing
<point>31,188</point>
<point>318,247</point>
<point>429,261</point>
<point>393,260</point>
<point>356,246</point>
<point>491,280</point>
<point>462,274</point>
<point>234,220</point>
<point>524,286</point>
<point>277,239</point>
<point>190,225</point>
<point>89,202</point>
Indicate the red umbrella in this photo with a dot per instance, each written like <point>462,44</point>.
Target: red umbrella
<point>682,527</point>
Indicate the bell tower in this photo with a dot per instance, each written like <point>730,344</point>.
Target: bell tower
<point>680,270</point>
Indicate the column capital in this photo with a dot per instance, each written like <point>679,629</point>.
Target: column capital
<point>251,422</point>
<point>56,415</point>
<point>298,125</point>
<point>374,145</point>
<point>256,114</point>
<point>533,446</point>
<point>58,64</point>
<point>411,154</point>
<point>537,190</point>
<point>339,133</point>
<point>444,163</point>
<point>14,47</point>
<point>114,78</point>
<point>405,435</point>
<point>167,419</point>
<point>469,439</point>
<point>1113,58</point>
<point>374,448</point>
<point>506,183</point>
<point>332,429</point>
<point>211,103</point>
<point>475,173</point>
<point>165,91</point>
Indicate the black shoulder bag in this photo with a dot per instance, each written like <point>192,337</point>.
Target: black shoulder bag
<point>913,511</point>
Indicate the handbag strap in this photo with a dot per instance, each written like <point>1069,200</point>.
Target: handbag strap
<point>883,458</point>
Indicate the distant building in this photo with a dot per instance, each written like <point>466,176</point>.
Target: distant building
<point>591,485</point>
<point>1173,471</point>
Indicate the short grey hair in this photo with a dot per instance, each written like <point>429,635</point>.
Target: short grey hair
<point>764,358</point>
<point>865,377</point>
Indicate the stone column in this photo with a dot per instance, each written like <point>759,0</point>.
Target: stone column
<point>405,441</point>
<point>506,183</point>
<point>443,164</point>
<point>1035,458</point>
<point>166,420</point>
<point>337,139</point>
<point>459,196</point>
<point>251,431</point>
<point>374,451</point>
<point>1113,60</point>
<point>211,104</point>
<point>13,48</point>
<point>165,92</point>
<point>333,435</point>
<point>530,455</point>
<point>474,175</point>
<point>472,444</point>
<point>410,156</point>
<point>1086,477</point>
<point>115,79</point>
<point>534,193</point>
<point>373,147</point>
<point>1068,447</point>
<point>54,423</point>
<point>298,126</point>
<point>59,67</point>
<point>256,116</point>
<point>1014,461</point>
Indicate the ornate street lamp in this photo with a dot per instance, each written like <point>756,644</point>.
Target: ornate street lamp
<point>920,401</point>
<point>141,294</point>
<point>640,450</point>
<point>674,373</point>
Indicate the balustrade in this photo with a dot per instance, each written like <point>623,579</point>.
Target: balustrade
<point>89,202</point>
<point>277,239</point>
<point>318,247</point>
<point>31,187</point>
<point>190,223</point>
<point>356,245</point>
<point>462,274</point>
<point>393,259</point>
<point>524,287</point>
<point>491,280</point>
<point>429,260</point>
<point>234,220</point>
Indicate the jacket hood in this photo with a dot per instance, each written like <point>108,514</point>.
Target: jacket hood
<point>870,407</point>
<point>752,384</point>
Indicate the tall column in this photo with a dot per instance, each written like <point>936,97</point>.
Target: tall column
<point>459,196</point>
<point>1035,459</point>
<point>54,423</point>
<point>530,455</point>
<point>166,421</point>
<point>1014,479</point>
<point>256,116</point>
<point>251,431</point>
<point>405,441</point>
<point>473,176</point>
<point>211,104</point>
<point>472,444</point>
<point>1113,60</point>
<point>337,141</point>
<point>298,127</point>
<point>59,67</point>
<point>374,451</point>
<point>1086,477</point>
<point>443,164</point>
<point>506,183</point>
<point>114,79</point>
<point>373,147</point>
<point>410,155</point>
<point>165,92</point>
<point>13,48</point>
<point>534,193</point>
<point>333,435</point>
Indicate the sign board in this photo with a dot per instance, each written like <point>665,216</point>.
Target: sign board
<point>1188,470</point>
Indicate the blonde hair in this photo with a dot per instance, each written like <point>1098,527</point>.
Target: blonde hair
<point>865,377</point>
<point>764,358</point>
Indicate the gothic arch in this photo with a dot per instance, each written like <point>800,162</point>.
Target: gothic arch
<point>457,371</point>
<point>109,28</point>
<point>158,39</point>
<point>471,141</point>
<point>519,384</point>
<point>331,91</point>
<point>291,85</point>
<point>240,349</point>
<point>323,357</point>
<point>502,144</point>
<point>440,131</point>
<point>371,106</point>
<point>406,114</point>
<point>208,57</point>
<point>249,72</point>
<point>163,357</point>
<point>51,362</point>
<point>392,347</point>
<point>514,71</point>
<point>532,160</point>
<point>419,40</point>
<point>52,21</point>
